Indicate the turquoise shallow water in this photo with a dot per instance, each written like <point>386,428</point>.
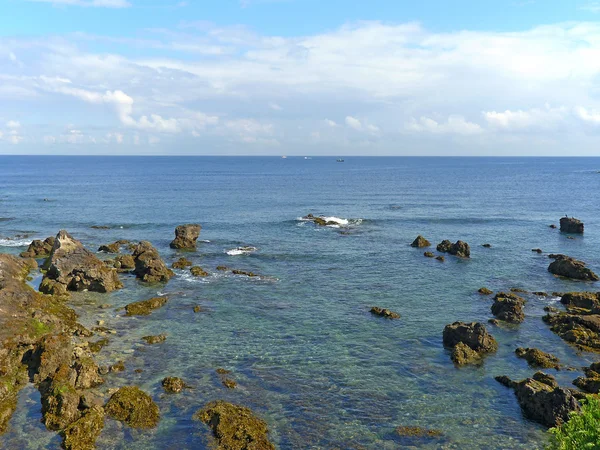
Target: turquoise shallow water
<point>306,353</point>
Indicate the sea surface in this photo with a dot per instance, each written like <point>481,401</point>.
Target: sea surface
<point>300,342</point>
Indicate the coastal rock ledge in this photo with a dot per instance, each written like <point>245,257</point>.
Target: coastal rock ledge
<point>186,236</point>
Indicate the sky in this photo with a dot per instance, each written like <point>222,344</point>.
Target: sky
<point>300,77</point>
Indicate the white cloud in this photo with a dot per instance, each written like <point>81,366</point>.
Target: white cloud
<point>521,120</point>
<point>275,107</point>
<point>354,123</point>
<point>13,124</point>
<point>590,116</point>
<point>12,56</point>
<point>87,3</point>
<point>331,123</point>
<point>455,124</point>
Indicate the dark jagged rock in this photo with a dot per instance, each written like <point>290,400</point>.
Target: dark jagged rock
<point>198,271</point>
<point>571,225</point>
<point>157,339</point>
<point>115,247</point>
<point>540,293</point>
<point>440,258</point>
<point>420,242</point>
<point>459,248</point>
<point>235,427</point>
<point>39,249</point>
<point>538,358</point>
<point>486,245</point>
<point>508,307</point>
<point>485,291</point>
<point>145,307</point>
<point>472,335</point>
<point>197,308</point>
<point>382,312</point>
<point>429,255</point>
<point>462,354</point>
<point>537,250</point>
<point>186,236</point>
<point>542,400</point>
<point>566,266</point>
<point>134,407</point>
<point>182,263</point>
<point>149,266</point>
<point>82,434</point>
<point>71,267</point>
<point>583,331</point>
<point>173,385</point>
<point>552,226</point>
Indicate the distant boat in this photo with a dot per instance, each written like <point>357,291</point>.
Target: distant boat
<point>339,160</point>
<point>284,157</point>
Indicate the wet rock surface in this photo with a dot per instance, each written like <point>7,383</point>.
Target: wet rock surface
<point>156,339</point>
<point>571,225</point>
<point>198,271</point>
<point>590,383</point>
<point>145,307</point>
<point>186,236</point>
<point>485,291</point>
<point>149,266</point>
<point>134,407</point>
<point>538,358</point>
<point>82,434</point>
<point>471,338</point>
<point>459,248</point>
<point>508,307</point>
<point>568,267</point>
<point>182,263</point>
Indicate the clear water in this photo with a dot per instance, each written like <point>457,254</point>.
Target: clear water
<point>306,353</point>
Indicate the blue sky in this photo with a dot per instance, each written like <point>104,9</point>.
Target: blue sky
<point>300,77</point>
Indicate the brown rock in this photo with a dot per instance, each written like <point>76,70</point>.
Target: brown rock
<point>429,255</point>
<point>39,249</point>
<point>198,271</point>
<point>485,291</point>
<point>473,335</point>
<point>460,248</point>
<point>145,307</point>
<point>420,242</point>
<point>149,266</point>
<point>382,312</point>
<point>182,263</point>
<point>571,225</point>
<point>566,266</point>
<point>538,358</point>
<point>134,407</point>
<point>186,237</point>
<point>173,385</point>
<point>508,307</point>
<point>158,339</point>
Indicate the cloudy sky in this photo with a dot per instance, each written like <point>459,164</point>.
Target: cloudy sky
<point>300,77</point>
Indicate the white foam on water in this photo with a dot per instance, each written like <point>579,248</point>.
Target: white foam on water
<point>241,251</point>
<point>186,276</point>
<point>337,220</point>
<point>15,242</point>
<point>205,240</point>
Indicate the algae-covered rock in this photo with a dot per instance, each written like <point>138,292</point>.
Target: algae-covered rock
<point>420,242</point>
<point>124,263</point>
<point>182,263</point>
<point>591,382</point>
<point>568,267</point>
<point>229,383</point>
<point>134,407</point>
<point>39,249</point>
<point>538,358</point>
<point>235,427</point>
<point>149,266</point>
<point>383,312</point>
<point>60,399</point>
<point>157,339</point>
<point>186,236</point>
<point>244,272</point>
<point>198,271</point>
<point>173,385</point>
<point>462,354</point>
<point>429,255</point>
<point>82,434</point>
<point>459,248</point>
<point>582,331</point>
<point>589,301</point>
<point>472,335</point>
<point>408,431</point>
<point>508,307</point>
<point>485,291</point>
<point>115,247</point>
<point>145,307</point>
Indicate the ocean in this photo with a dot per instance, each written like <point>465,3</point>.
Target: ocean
<point>300,342</point>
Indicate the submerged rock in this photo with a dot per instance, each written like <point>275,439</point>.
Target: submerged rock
<point>460,248</point>
<point>571,225</point>
<point>485,291</point>
<point>552,226</point>
<point>244,272</point>
<point>186,236</point>
<point>173,385</point>
<point>537,250</point>
<point>508,307</point>
<point>566,266</point>
<point>134,407</point>
<point>198,271</point>
<point>182,263</point>
<point>71,267</point>
<point>235,427</point>
<point>417,432</point>
<point>145,307</point>
<point>157,339</point>
<point>462,354</point>
<point>440,258</point>
<point>472,335</point>
<point>82,434</point>
<point>229,383</point>
<point>39,249</point>
<point>382,312</point>
<point>429,255</point>
<point>149,266</point>
<point>420,242</point>
<point>542,400</point>
<point>538,358</point>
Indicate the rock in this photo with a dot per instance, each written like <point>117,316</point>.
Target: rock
<point>82,434</point>
<point>382,312</point>
<point>552,226</point>
<point>591,382</point>
<point>229,383</point>
<point>487,245</point>
<point>542,400</point>
<point>60,399</point>
<point>158,339</point>
<point>538,358</point>
<point>244,272</point>
<point>197,309</point>
<point>473,335</point>
<point>173,385</point>
<point>518,290</point>
<point>134,407</point>
<point>182,263</point>
<point>571,225</point>
<point>186,237</point>
<point>117,367</point>
<point>420,242</point>
<point>222,371</point>
<point>87,373</point>
<point>537,250</point>
<point>198,271</point>
<point>485,291</point>
<point>145,307</point>
<point>429,255</point>
<point>124,263</point>
<point>71,267</point>
<point>581,330</point>
<point>100,227</point>
<point>566,266</point>
<point>222,268</point>
<point>417,432</point>
<point>589,301</point>
<point>508,307</point>
<point>460,248</point>
<point>440,258</point>
<point>149,266</point>
<point>463,354</point>
<point>39,249</point>
<point>95,347</point>
<point>115,247</point>
<point>540,293</point>
<point>235,427</point>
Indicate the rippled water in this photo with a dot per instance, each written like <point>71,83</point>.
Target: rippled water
<point>305,351</point>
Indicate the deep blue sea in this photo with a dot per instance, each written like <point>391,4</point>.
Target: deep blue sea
<point>306,353</point>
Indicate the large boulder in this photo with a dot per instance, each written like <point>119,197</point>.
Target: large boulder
<point>565,266</point>
<point>459,248</point>
<point>186,236</point>
<point>149,266</point>
<point>468,336</point>
<point>71,267</point>
<point>235,427</point>
<point>39,249</point>
<point>420,242</point>
<point>542,400</point>
<point>508,307</point>
<point>589,301</point>
<point>134,407</point>
<point>571,225</point>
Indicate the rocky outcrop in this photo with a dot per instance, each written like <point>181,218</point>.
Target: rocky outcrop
<point>186,236</point>
<point>383,312</point>
<point>538,358</point>
<point>591,382</point>
<point>134,407</point>
<point>542,400</point>
<point>471,339</point>
<point>124,263</point>
<point>39,249</point>
<point>428,255</point>
<point>182,263</point>
<point>587,302</point>
<point>485,291</point>
<point>149,266</point>
<point>198,271</point>
<point>82,434</point>
<point>459,248</point>
<point>71,267</point>
<point>583,331</point>
<point>115,247</point>
<point>420,242</point>
<point>566,266</point>
<point>508,307</point>
<point>145,307</point>
<point>235,427</point>
<point>571,225</point>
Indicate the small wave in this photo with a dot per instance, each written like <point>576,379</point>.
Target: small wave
<point>15,242</point>
<point>241,251</point>
<point>206,241</point>
<point>186,276</point>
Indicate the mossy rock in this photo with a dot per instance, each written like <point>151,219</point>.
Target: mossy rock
<point>158,339</point>
<point>82,434</point>
<point>538,358</point>
<point>198,271</point>
<point>182,263</point>
<point>134,407</point>
<point>229,383</point>
<point>145,307</point>
<point>173,385</point>
<point>485,291</point>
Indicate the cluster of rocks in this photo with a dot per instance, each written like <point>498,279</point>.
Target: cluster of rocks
<point>39,249</point>
<point>459,248</point>
<point>383,312</point>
